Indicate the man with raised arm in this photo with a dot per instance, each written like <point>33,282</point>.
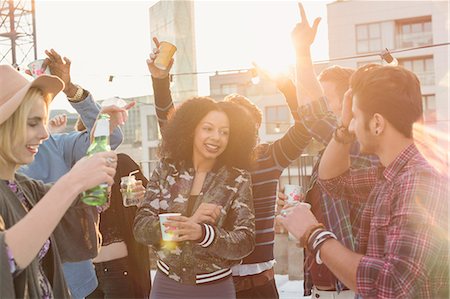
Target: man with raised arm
<point>325,94</point>
<point>403,240</point>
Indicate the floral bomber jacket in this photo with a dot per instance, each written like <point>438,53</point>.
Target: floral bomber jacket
<point>224,244</point>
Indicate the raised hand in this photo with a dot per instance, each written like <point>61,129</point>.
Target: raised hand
<point>59,67</point>
<point>280,79</point>
<point>154,71</point>
<point>303,34</point>
<point>118,115</point>
<point>57,124</point>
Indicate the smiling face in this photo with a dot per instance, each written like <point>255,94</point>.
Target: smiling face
<point>36,132</point>
<point>211,137</point>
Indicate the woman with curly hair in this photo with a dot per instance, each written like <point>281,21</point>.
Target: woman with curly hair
<point>206,153</point>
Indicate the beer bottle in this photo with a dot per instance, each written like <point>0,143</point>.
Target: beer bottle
<point>98,195</point>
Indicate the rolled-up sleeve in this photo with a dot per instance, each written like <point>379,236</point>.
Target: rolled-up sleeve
<point>318,120</point>
<point>354,185</point>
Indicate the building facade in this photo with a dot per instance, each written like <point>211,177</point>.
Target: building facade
<point>172,21</point>
<point>414,31</point>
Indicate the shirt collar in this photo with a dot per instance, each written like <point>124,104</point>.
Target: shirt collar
<point>391,171</point>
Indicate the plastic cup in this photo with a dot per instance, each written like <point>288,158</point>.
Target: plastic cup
<point>166,51</point>
<point>127,184</point>
<point>36,70</point>
<point>294,193</point>
<point>166,236</point>
<point>114,101</point>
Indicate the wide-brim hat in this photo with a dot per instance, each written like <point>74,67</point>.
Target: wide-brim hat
<point>14,86</point>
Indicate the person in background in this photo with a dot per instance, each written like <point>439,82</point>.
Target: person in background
<point>29,209</point>
<point>254,277</point>
<point>206,151</point>
<point>122,265</point>
<point>56,156</point>
<point>57,124</point>
<point>341,216</point>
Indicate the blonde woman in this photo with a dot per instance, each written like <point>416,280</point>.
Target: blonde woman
<point>30,210</point>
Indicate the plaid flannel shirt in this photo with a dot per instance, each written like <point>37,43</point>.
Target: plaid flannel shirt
<point>341,216</point>
<point>404,227</point>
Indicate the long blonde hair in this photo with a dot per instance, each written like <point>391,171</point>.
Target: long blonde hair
<point>14,129</point>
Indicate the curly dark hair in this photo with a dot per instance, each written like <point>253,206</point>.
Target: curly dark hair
<point>247,104</point>
<point>243,137</point>
<point>179,132</point>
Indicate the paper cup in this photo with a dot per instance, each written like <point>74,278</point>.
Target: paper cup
<point>166,236</point>
<point>35,68</point>
<point>294,193</point>
<point>166,51</point>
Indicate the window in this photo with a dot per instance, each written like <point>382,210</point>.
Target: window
<point>368,38</point>
<point>423,67</point>
<point>153,153</point>
<point>414,32</point>
<point>152,127</point>
<point>131,127</point>
<point>277,119</point>
<point>429,107</point>
<point>228,88</point>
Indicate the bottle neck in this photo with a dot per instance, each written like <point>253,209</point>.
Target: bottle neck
<point>102,128</point>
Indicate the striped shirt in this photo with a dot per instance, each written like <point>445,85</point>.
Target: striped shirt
<point>404,227</point>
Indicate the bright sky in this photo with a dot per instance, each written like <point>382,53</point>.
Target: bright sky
<point>105,38</point>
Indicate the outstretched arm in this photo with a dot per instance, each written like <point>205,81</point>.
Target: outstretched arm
<point>161,87</point>
<point>303,35</point>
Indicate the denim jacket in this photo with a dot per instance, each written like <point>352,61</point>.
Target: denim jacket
<point>224,244</point>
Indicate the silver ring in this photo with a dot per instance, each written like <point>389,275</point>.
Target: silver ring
<point>284,213</point>
<point>110,161</point>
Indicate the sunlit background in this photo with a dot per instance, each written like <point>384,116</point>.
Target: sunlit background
<point>109,41</point>
<point>104,38</point>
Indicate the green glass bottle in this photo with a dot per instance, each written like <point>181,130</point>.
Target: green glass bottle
<point>98,195</point>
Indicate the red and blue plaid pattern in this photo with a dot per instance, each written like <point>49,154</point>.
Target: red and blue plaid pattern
<point>404,227</point>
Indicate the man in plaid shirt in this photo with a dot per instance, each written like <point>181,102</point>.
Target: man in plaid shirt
<point>403,240</point>
<point>339,215</point>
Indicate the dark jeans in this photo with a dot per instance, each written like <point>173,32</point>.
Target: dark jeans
<point>267,291</point>
<point>113,280</point>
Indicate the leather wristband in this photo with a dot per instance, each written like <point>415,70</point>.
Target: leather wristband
<point>304,239</point>
<point>343,136</point>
